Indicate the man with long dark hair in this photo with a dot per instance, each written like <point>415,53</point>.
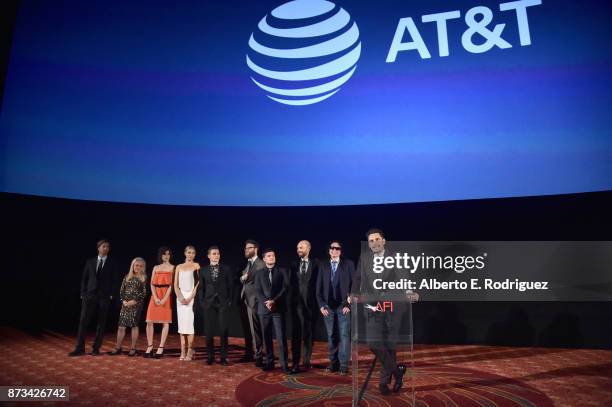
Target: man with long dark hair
<point>97,288</point>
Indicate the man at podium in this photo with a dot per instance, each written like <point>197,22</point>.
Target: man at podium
<point>385,310</point>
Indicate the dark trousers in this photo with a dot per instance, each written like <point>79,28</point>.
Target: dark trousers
<point>303,320</point>
<point>383,334</point>
<point>217,314</point>
<point>89,306</point>
<point>251,327</point>
<point>274,323</point>
<point>338,337</point>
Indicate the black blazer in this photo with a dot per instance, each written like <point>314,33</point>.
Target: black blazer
<point>275,291</point>
<point>102,285</point>
<point>304,289</point>
<point>365,276</point>
<point>346,268</point>
<point>223,287</point>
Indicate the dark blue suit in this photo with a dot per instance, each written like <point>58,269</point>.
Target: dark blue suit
<point>272,320</point>
<point>332,293</point>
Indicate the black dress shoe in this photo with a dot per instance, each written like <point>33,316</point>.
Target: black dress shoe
<point>210,361</point>
<point>259,363</point>
<point>267,367</point>
<point>399,378</point>
<point>246,359</point>
<point>307,366</point>
<point>286,370</point>
<point>223,362</point>
<point>384,390</point>
<point>95,352</point>
<point>343,371</point>
<point>331,368</point>
<point>295,370</point>
<point>77,352</point>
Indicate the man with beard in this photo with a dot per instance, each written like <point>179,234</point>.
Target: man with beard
<point>98,284</point>
<point>382,328</point>
<point>302,304</point>
<point>248,305</point>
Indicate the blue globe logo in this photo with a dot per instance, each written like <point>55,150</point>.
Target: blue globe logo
<point>304,51</point>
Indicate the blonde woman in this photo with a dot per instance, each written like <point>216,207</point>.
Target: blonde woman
<point>132,294</point>
<point>186,281</point>
<point>160,305</point>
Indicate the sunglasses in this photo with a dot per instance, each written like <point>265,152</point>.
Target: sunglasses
<point>335,248</point>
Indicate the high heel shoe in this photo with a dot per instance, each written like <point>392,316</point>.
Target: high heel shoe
<point>182,355</point>
<point>132,352</point>
<point>158,354</point>
<point>116,351</point>
<point>190,354</point>
<point>147,354</point>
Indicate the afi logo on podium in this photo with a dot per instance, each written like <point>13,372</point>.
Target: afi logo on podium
<point>381,306</point>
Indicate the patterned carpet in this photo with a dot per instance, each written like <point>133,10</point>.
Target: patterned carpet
<point>443,376</point>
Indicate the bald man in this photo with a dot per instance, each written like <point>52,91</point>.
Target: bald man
<point>302,303</point>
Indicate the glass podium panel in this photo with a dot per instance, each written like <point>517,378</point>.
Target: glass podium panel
<point>381,350</point>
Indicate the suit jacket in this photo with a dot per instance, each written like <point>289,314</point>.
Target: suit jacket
<point>303,288</point>
<point>275,291</point>
<point>222,288</point>
<point>102,284</point>
<point>346,269</point>
<point>364,277</point>
<point>249,293</point>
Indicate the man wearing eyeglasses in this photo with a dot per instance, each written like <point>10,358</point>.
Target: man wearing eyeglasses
<point>334,282</point>
<point>251,325</point>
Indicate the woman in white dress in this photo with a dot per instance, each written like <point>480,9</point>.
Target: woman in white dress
<point>186,281</point>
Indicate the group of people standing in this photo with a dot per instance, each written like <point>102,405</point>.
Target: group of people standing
<point>268,294</point>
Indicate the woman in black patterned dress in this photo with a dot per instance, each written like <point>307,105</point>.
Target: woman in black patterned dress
<point>132,295</point>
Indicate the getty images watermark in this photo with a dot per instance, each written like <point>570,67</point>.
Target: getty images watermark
<point>495,271</point>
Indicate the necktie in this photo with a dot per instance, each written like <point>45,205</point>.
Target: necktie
<point>100,265</point>
<point>270,275</point>
<point>334,268</point>
<point>303,267</point>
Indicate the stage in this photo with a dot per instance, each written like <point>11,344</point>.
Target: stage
<point>444,375</point>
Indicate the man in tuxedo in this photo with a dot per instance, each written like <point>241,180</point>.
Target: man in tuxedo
<point>382,328</point>
<point>334,285</point>
<point>98,283</point>
<point>271,287</point>
<point>251,325</point>
<point>302,303</point>
<point>215,298</point>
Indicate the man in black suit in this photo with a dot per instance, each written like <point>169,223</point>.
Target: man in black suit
<point>98,284</point>
<point>271,286</point>
<point>215,298</point>
<point>334,285</point>
<point>302,302</point>
<point>382,329</point>
<point>251,325</point>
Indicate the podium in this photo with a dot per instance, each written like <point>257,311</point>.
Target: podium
<point>382,340</point>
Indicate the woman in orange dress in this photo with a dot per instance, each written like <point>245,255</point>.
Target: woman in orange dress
<point>160,305</point>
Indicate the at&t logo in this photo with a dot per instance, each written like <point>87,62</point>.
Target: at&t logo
<point>304,51</point>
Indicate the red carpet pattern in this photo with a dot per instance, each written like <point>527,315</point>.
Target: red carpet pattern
<point>480,376</point>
